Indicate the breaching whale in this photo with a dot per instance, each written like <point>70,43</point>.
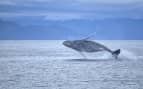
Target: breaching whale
<point>89,46</point>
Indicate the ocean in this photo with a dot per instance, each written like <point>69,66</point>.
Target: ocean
<point>47,64</point>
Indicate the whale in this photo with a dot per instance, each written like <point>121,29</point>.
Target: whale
<point>89,46</point>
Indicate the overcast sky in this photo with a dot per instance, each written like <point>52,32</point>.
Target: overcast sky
<point>73,9</point>
<point>69,10</point>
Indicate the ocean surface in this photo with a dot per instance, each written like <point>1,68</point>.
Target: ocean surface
<point>45,64</point>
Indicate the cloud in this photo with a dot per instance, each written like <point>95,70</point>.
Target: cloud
<point>6,2</point>
<point>62,16</point>
<point>110,1</point>
<point>72,2</point>
<point>73,9</point>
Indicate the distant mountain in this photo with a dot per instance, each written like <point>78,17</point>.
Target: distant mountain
<point>37,28</point>
<point>12,30</point>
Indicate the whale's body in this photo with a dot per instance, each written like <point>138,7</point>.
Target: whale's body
<point>89,46</point>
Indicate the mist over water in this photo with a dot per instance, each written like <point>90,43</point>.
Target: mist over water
<point>50,65</point>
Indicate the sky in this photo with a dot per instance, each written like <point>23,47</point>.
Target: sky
<point>71,19</point>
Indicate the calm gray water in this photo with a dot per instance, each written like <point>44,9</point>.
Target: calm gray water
<point>50,65</point>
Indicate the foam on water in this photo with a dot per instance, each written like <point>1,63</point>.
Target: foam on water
<point>127,55</point>
<point>124,55</point>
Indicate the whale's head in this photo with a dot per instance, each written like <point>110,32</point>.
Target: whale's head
<point>67,43</point>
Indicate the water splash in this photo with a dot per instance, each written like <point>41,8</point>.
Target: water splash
<point>124,55</point>
<point>127,55</point>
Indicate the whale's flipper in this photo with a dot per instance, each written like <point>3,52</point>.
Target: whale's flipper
<point>89,36</point>
<point>116,53</point>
